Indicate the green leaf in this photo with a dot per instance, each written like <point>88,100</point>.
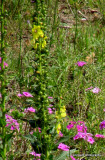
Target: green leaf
<point>2,122</point>
<point>63,139</point>
<point>65,154</point>
<point>1,135</point>
<point>9,136</point>
<point>30,137</point>
<point>1,153</point>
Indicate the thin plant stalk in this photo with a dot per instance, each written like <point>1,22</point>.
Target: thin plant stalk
<point>54,21</point>
<point>20,52</point>
<point>3,82</point>
<point>76,29</point>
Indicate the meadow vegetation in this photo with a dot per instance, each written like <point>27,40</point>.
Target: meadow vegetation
<point>52,80</point>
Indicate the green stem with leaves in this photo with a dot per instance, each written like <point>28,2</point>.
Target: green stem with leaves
<point>3,83</point>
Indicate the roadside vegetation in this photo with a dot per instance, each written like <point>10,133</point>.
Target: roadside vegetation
<point>52,80</point>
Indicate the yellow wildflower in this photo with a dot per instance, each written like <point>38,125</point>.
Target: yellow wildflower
<point>63,112</point>
<point>44,43</point>
<point>58,128</point>
<point>37,32</point>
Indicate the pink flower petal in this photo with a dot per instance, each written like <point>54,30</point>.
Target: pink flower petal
<point>27,94</point>
<point>96,90</point>
<point>80,63</point>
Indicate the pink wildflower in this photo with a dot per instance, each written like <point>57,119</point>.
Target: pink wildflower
<point>12,127</point>
<point>39,129</point>
<point>81,63</point>
<point>35,154</point>
<point>27,94</point>
<point>72,158</point>
<point>50,97</point>
<point>60,134</point>
<point>104,109</point>
<point>29,109</point>
<point>5,64</point>
<point>63,147</point>
<point>90,140</point>
<point>10,121</point>
<point>51,105</point>
<point>88,88</point>
<point>80,135</point>
<point>0,95</point>
<point>31,132</point>
<point>50,110</point>
<point>19,95</point>
<point>81,128</point>
<point>85,136</point>
<point>70,125</point>
<point>96,90</point>
<point>99,136</point>
<point>102,125</point>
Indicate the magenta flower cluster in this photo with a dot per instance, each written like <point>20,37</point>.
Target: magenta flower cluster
<point>99,136</point>
<point>60,134</point>
<point>73,158</point>
<point>50,111</point>
<point>71,125</point>
<point>89,88</point>
<point>12,122</point>
<point>26,94</point>
<point>81,131</point>
<point>80,63</point>
<point>94,90</point>
<point>50,97</point>
<point>39,129</point>
<point>102,125</point>
<point>35,154</point>
<point>29,109</point>
<point>86,136</point>
<point>63,147</point>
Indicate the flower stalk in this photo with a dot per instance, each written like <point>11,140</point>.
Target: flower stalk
<point>3,83</point>
<point>20,75</point>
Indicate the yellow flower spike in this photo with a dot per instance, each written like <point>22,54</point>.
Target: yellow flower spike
<point>45,37</point>
<point>36,45</point>
<point>37,32</point>
<point>57,115</point>
<point>43,44</point>
<point>63,112</point>
<point>58,128</point>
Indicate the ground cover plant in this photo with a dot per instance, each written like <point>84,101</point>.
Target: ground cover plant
<point>52,85</point>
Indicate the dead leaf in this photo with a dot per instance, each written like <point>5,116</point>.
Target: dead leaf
<point>90,58</point>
